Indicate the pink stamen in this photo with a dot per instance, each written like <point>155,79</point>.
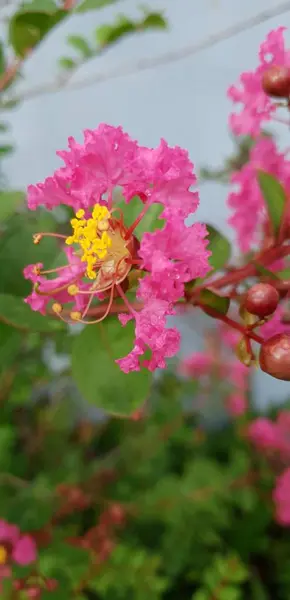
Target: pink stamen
<point>126,301</point>
<point>104,315</point>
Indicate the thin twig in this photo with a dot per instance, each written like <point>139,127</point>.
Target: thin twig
<point>145,64</point>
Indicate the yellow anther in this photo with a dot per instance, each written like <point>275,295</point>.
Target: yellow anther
<point>91,235</point>
<point>3,555</point>
<point>73,290</point>
<point>103,225</point>
<point>37,238</point>
<point>57,308</point>
<point>36,270</point>
<point>75,315</point>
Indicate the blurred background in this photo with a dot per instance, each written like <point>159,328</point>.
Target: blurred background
<point>176,500</point>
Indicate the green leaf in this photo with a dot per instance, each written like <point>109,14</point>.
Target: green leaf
<point>10,201</point>
<point>108,34</point>
<point>99,378</point>
<point>17,250</point>
<point>80,44</point>
<point>93,5</point>
<point>220,248</point>
<point>14,312</point>
<point>149,222</point>
<point>6,149</point>
<point>263,271</point>
<point>67,63</point>
<point>274,196</point>
<point>29,26</point>
<point>154,21</point>
<point>10,342</point>
<point>209,300</point>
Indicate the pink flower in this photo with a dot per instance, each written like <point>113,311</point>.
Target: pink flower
<point>196,365</point>
<point>246,201</point>
<point>14,548</point>
<point>275,324</point>
<point>103,249</point>
<point>236,404</point>
<point>281,498</point>
<point>257,107</point>
<point>238,374</point>
<point>264,434</point>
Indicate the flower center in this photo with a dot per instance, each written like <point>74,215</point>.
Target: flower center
<point>3,555</point>
<point>92,236</point>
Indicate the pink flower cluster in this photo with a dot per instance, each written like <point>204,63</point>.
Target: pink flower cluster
<point>272,438</point>
<point>171,256</point>
<point>257,107</point>
<point>14,548</point>
<point>281,497</point>
<point>246,201</point>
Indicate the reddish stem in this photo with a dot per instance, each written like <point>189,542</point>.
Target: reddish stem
<point>242,273</point>
<point>231,323</point>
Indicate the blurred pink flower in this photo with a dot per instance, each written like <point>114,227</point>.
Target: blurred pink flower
<point>236,404</point>
<point>264,434</point>
<point>257,107</point>
<point>14,548</point>
<point>246,200</point>
<point>281,498</point>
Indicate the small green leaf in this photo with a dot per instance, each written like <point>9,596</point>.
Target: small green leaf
<point>263,271</point>
<point>154,21</point>
<point>99,378</point>
<point>29,26</point>
<point>6,149</point>
<point>274,196</point>
<point>10,201</point>
<point>220,248</point>
<point>93,5</point>
<point>80,44</point>
<point>67,63</point>
<point>16,313</point>
<point>109,34</point>
<point>209,300</point>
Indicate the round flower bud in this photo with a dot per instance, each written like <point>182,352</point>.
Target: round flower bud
<point>276,82</point>
<point>261,300</point>
<point>275,356</point>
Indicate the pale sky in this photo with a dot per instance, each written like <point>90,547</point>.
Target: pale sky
<point>184,102</point>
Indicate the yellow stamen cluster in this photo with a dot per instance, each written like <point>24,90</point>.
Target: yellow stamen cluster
<point>3,555</point>
<point>91,235</point>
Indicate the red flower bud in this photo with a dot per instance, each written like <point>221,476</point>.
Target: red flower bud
<point>276,82</point>
<point>261,300</point>
<point>275,356</point>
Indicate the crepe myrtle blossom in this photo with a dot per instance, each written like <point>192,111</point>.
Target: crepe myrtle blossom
<point>15,548</point>
<point>101,250</point>
<point>246,201</point>
<point>256,106</point>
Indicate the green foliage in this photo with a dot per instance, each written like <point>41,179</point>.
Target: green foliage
<point>99,378</point>
<point>274,196</point>
<point>87,5</point>
<point>209,300</point>
<point>10,201</point>
<point>80,44</point>
<point>15,312</point>
<point>32,23</point>
<point>220,248</point>
<point>109,34</point>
